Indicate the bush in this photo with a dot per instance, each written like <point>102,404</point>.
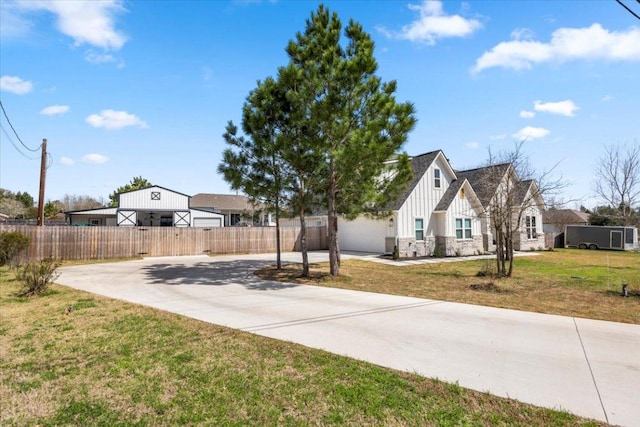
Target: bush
<point>487,269</point>
<point>37,276</point>
<point>11,244</point>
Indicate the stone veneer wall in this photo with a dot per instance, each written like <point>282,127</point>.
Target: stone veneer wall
<point>409,247</point>
<point>522,244</point>
<point>450,246</point>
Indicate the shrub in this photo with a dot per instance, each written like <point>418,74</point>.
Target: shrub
<point>11,244</point>
<point>37,276</point>
<point>396,253</point>
<point>487,269</point>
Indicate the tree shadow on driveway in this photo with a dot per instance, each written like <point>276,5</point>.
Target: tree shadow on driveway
<point>240,272</point>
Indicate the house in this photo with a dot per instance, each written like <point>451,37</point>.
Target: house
<point>150,207</point>
<point>555,220</point>
<point>3,217</point>
<point>437,214</point>
<point>449,213</point>
<point>236,209</point>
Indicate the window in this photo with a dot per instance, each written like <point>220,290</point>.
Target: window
<point>463,228</point>
<point>530,223</point>
<point>462,193</point>
<point>155,195</point>
<point>419,226</point>
<point>436,178</point>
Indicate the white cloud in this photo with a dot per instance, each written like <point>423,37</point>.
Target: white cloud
<point>95,158</point>
<point>527,114</point>
<point>522,34</point>
<point>54,109</point>
<point>98,58</point>
<point>15,85</point>
<point>592,43</point>
<point>86,22</point>
<point>432,24</point>
<point>472,145</point>
<point>530,133</point>
<point>66,161</point>
<point>111,119</point>
<point>607,98</point>
<point>563,108</point>
<point>498,137</point>
<point>12,23</point>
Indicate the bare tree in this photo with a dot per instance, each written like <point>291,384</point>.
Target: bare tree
<point>76,202</point>
<point>511,192</point>
<point>617,174</point>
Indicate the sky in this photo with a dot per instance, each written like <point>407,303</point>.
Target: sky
<point>122,89</point>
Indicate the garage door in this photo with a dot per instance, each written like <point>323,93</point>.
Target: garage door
<point>207,222</point>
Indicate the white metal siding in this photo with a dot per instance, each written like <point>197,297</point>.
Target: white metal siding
<point>362,234</point>
<point>423,200</point>
<point>207,222</point>
<point>206,219</point>
<point>141,199</point>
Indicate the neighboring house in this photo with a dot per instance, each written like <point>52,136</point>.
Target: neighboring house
<point>446,212</point>
<point>236,209</point>
<point>3,217</point>
<point>555,220</point>
<point>150,207</point>
<point>437,214</point>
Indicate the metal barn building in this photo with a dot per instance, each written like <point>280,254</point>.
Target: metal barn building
<point>153,206</point>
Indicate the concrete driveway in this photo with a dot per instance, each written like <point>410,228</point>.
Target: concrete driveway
<point>587,367</point>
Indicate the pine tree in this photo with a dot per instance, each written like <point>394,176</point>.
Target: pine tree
<point>354,117</point>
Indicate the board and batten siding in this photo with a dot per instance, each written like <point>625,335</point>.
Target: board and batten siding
<point>423,200</point>
<point>461,207</point>
<point>141,199</point>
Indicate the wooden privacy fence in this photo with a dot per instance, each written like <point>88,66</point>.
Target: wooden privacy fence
<point>84,243</point>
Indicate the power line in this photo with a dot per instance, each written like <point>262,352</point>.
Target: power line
<point>15,145</point>
<point>14,130</point>
<point>628,9</point>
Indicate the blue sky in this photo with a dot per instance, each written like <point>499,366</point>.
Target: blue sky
<point>144,88</point>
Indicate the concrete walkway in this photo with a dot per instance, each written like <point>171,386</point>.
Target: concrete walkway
<point>587,367</point>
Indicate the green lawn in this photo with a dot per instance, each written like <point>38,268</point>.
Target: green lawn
<point>72,358</point>
<point>568,282</point>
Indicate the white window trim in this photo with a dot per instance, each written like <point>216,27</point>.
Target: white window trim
<point>530,226</point>
<point>463,228</point>
<point>415,230</point>
<point>437,180</point>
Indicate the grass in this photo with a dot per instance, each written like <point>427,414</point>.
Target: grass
<point>72,358</point>
<point>567,282</point>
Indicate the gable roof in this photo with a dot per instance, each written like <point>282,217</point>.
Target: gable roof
<point>485,180</point>
<point>452,192</point>
<point>221,202</point>
<point>152,186</point>
<point>564,216</point>
<point>419,166</point>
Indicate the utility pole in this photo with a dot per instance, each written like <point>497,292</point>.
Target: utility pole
<point>43,176</point>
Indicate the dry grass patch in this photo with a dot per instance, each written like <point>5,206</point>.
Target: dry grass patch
<point>565,282</point>
<point>110,363</point>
